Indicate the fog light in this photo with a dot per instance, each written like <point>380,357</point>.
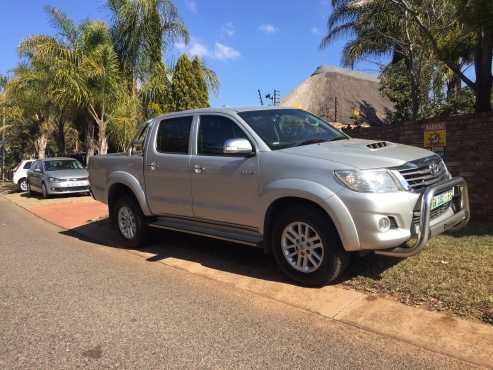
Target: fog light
<point>384,224</point>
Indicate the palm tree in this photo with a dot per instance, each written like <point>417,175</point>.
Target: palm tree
<point>142,30</point>
<point>84,70</point>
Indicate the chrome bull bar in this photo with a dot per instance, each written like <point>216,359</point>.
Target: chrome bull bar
<point>425,232</point>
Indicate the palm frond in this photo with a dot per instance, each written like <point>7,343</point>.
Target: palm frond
<point>65,26</point>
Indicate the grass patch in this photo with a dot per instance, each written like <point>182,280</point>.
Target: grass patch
<point>453,273</point>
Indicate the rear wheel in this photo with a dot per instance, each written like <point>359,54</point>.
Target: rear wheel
<point>307,247</point>
<point>22,185</point>
<point>129,220</point>
<point>29,191</point>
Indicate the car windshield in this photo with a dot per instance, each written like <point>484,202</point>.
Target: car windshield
<point>62,164</point>
<point>286,128</point>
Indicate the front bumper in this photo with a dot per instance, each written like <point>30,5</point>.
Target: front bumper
<point>428,229</point>
<point>68,187</point>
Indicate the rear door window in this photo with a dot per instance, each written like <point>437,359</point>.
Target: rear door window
<point>27,165</point>
<point>173,135</point>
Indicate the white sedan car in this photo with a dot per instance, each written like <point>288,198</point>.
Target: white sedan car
<point>19,177</point>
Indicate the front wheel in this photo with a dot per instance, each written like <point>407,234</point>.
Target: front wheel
<point>129,220</point>
<point>307,248</point>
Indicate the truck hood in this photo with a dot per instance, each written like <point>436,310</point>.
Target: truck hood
<point>361,154</point>
<point>68,174</point>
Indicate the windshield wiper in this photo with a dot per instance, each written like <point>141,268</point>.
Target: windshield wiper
<point>340,138</point>
<point>312,141</point>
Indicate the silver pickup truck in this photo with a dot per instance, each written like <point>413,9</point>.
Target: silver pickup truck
<point>282,179</point>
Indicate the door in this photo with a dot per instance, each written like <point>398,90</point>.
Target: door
<point>35,176</point>
<point>224,187</point>
<point>167,168</point>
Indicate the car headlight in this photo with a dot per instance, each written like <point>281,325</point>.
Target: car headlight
<point>54,179</point>
<point>369,181</point>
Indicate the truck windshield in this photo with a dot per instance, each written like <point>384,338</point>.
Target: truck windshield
<point>286,128</point>
<point>64,164</point>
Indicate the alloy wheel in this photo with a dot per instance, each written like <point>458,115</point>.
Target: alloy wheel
<point>126,222</point>
<point>302,247</point>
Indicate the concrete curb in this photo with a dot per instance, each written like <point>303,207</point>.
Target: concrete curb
<point>461,339</point>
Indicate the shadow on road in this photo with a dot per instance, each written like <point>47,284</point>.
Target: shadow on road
<point>212,253</point>
<point>217,254</point>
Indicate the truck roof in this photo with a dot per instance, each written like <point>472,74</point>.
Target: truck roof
<point>227,110</point>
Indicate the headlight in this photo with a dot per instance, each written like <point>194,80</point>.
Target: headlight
<point>54,179</point>
<point>369,181</point>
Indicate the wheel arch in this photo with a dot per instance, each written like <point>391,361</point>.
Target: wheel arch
<point>124,183</point>
<point>312,194</point>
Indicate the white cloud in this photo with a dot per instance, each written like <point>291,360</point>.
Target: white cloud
<point>191,5</point>
<point>220,52</point>
<point>223,52</point>
<point>194,48</point>
<point>268,28</point>
<point>228,30</point>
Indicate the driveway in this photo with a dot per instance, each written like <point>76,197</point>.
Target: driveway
<point>68,303</point>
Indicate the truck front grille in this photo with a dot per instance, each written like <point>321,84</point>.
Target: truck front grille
<point>423,173</point>
<point>437,212</point>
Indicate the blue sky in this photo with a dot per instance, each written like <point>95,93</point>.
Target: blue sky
<point>249,44</point>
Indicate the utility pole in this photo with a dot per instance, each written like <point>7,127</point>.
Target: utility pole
<point>260,97</point>
<point>3,145</point>
<point>276,97</point>
<point>335,109</point>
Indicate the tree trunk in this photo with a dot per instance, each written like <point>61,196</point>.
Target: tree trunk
<point>60,136</point>
<point>453,87</point>
<point>102,139</point>
<point>482,64</point>
<point>40,145</point>
<point>90,139</point>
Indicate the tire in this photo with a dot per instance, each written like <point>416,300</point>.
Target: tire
<point>29,191</point>
<point>22,185</point>
<point>129,220</point>
<point>44,191</point>
<point>317,262</point>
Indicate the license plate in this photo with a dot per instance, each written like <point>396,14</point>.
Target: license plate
<point>441,199</point>
<point>79,183</point>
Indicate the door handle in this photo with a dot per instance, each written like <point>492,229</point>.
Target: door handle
<point>153,166</point>
<point>197,169</point>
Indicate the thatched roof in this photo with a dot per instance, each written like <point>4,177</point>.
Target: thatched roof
<point>355,92</point>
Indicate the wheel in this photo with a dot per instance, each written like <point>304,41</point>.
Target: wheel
<point>22,185</point>
<point>307,248</point>
<point>129,220</point>
<point>29,191</point>
<point>44,191</point>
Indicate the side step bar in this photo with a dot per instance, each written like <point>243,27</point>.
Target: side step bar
<point>212,230</point>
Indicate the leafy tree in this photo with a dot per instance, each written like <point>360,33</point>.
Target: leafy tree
<point>436,33</point>
<point>184,85</point>
<point>142,30</point>
<point>124,120</point>
<point>202,91</point>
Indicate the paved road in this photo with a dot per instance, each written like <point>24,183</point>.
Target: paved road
<point>66,303</point>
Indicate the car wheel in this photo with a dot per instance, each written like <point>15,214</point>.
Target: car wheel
<point>44,191</point>
<point>22,185</point>
<point>307,247</point>
<point>29,190</point>
<point>129,221</point>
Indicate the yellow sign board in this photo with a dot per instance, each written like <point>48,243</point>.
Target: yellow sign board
<point>435,136</point>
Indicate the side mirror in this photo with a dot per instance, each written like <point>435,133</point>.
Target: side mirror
<point>238,147</point>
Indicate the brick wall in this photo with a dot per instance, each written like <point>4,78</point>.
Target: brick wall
<point>469,152</point>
